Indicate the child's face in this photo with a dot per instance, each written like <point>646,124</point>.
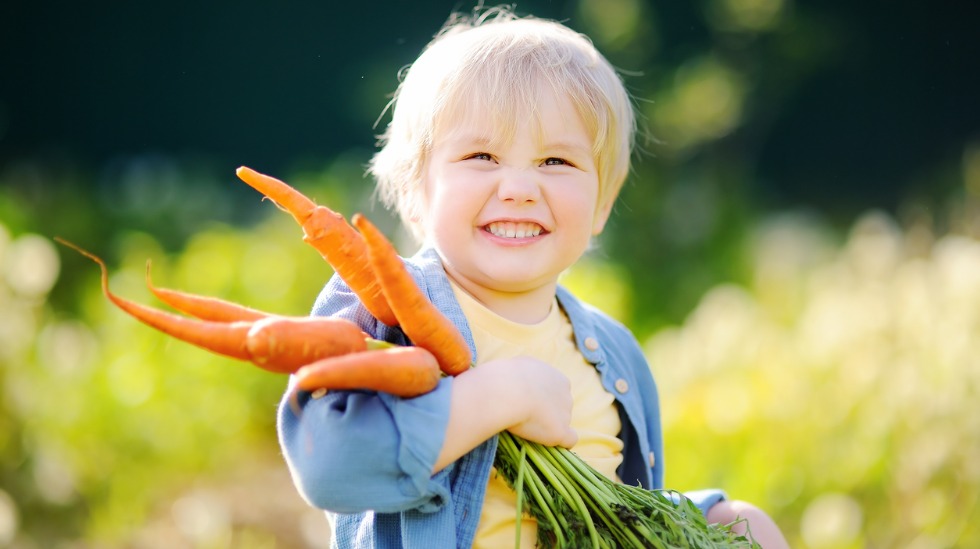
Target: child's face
<point>511,217</point>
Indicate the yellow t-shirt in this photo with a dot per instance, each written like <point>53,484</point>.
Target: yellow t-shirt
<point>594,415</point>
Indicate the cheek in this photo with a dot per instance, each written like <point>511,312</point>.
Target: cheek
<point>434,185</point>
<point>433,195</point>
<point>575,202</point>
<point>440,208</point>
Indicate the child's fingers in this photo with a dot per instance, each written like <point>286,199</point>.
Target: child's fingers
<point>571,439</point>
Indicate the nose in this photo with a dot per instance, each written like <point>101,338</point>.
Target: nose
<point>518,186</point>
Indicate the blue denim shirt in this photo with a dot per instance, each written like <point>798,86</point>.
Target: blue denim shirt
<point>367,457</point>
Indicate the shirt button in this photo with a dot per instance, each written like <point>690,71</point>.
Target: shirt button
<point>653,460</point>
<point>622,386</point>
<point>591,343</point>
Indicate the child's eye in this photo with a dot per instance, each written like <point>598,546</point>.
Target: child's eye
<point>479,156</point>
<point>553,161</point>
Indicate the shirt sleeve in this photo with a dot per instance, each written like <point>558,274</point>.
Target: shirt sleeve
<point>351,451</point>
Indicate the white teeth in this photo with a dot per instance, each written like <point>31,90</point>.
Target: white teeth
<point>514,230</point>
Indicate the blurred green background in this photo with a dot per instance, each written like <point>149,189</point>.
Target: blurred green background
<point>798,250</point>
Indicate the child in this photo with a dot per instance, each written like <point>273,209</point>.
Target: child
<point>509,141</point>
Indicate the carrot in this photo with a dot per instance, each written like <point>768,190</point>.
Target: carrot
<point>205,308</point>
<point>274,343</point>
<point>402,371</point>
<point>330,234</point>
<point>424,324</point>
<point>224,338</point>
<point>285,344</point>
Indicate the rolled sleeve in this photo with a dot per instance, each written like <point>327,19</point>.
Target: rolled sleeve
<point>351,451</point>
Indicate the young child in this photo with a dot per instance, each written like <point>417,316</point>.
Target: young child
<point>509,141</point>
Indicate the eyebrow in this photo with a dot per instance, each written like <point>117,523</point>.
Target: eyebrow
<point>571,146</point>
<point>472,139</point>
<point>561,145</point>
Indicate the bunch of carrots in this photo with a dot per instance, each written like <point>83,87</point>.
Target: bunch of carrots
<point>575,506</point>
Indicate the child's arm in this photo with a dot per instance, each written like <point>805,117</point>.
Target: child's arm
<point>523,395</point>
<point>350,451</point>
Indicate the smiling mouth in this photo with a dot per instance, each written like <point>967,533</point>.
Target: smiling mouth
<point>508,229</point>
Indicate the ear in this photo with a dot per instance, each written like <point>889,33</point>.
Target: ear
<point>601,216</point>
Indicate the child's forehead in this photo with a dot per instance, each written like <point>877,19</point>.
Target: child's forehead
<point>553,126</point>
<point>478,120</point>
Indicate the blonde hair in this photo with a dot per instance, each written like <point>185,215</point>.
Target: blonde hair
<point>500,60</point>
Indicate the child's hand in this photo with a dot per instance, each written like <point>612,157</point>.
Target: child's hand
<point>544,395</point>
<point>522,395</point>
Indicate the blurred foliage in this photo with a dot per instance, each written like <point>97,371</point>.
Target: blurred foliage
<point>115,434</point>
<point>818,361</point>
<point>834,386</point>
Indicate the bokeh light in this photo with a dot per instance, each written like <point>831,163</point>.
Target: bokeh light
<point>30,265</point>
<point>702,102</point>
<point>745,15</point>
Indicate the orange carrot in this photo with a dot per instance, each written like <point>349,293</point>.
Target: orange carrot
<point>205,308</point>
<point>274,343</point>
<point>330,234</point>
<point>284,344</point>
<point>224,338</point>
<point>424,324</point>
<point>402,371</point>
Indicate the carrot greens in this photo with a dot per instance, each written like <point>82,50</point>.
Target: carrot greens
<point>576,506</point>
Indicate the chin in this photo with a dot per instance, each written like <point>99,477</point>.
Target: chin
<point>512,282</point>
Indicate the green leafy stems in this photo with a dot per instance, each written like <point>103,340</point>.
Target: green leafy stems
<point>576,506</point>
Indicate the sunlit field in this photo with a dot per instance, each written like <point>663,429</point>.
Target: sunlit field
<point>838,390</point>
